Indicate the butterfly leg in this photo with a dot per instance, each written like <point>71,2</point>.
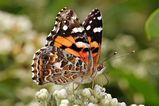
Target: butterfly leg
<point>93,84</point>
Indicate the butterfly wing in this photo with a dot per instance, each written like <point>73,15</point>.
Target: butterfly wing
<point>93,27</point>
<point>68,34</point>
<point>52,64</point>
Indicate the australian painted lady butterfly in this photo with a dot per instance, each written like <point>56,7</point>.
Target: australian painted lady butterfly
<point>72,51</point>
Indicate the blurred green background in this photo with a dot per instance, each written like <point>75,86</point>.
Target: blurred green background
<point>24,25</point>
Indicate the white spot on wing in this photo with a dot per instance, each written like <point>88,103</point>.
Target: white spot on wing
<point>54,29</point>
<point>82,44</point>
<point>99,29</point>
<point>46,42</point>
<point>74,30</point>
<point>90,21</point>
<point>43,48</point>
<point>74,17</point>
<point>56,22</point>
<point>32,68</point>
<point>65,27</point>
<point>88,27</point>
<point>33,75</point>
<point>49,35</point>
<point>79,29</point>
<point>36,82</point>
<point>99,18</point>
<point>33,58</point>
<point>59,12</point>
<point>83,22</point>
<point>64,21</point>
<point>38,51</point>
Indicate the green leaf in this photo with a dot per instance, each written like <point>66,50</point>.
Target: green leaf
<point>137,85</point>
<point>152,25</point>
<point>8,88</point>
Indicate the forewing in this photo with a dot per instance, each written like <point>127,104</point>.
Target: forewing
<point>68,34</point>
<point>93,27</point>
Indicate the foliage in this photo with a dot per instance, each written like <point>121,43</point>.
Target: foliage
<point>152,26</point>
<point>80,97</point>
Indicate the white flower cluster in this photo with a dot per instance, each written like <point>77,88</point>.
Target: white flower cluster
<point>18,37</point>
<point>79,97</point>
<point>43,97</point>
<point>12,22</point>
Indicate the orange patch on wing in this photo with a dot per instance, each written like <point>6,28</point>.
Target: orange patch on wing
<point>70,38</point>
<point>57,44</point>
<point>71,51</point>
<point>84,56</point>
<point>63,41</point>
<point>94,44</point>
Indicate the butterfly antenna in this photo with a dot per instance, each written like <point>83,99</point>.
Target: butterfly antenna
<point>112,57</point>
<point>106,79</point>
<point>113,54</point>
<point>121,56</point>
<point>124,55</point>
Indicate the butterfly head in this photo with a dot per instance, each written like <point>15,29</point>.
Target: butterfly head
<point>99,69</point>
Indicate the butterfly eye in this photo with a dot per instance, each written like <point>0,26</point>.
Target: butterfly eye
<point>100,67</point>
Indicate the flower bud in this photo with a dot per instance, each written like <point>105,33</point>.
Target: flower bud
<point>42,95</point>
<point>86,92</point>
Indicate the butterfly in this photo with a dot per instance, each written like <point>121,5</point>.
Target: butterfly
<point>72,50</point>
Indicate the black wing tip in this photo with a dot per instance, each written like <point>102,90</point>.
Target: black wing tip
<point>96,9</point>
<point>94,12</point>
<point>64,8</point>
